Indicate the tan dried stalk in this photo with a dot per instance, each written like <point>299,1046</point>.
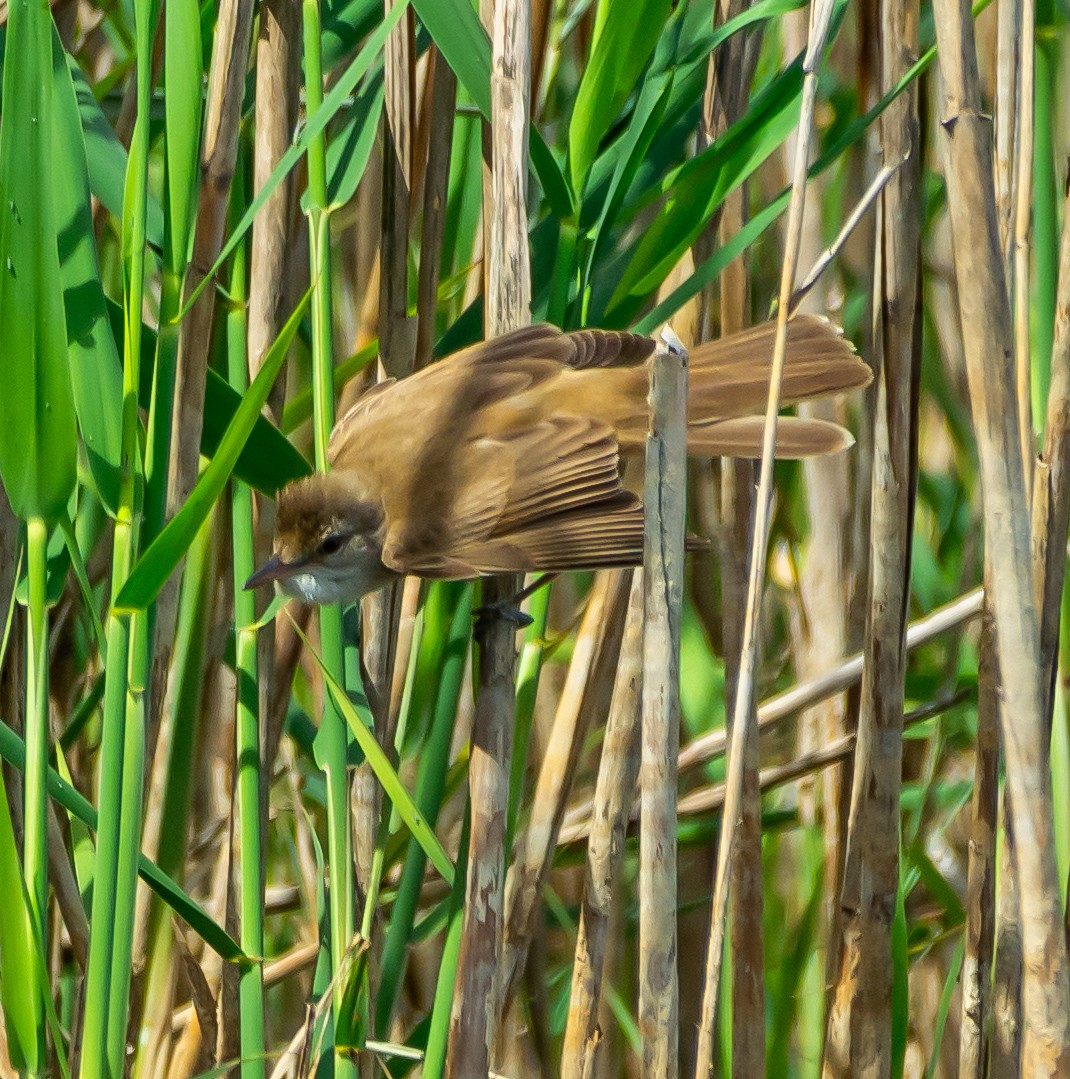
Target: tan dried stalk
<point>743,716</point>
<point>730,73</point>
<point>858,1041</point>
<point>436,181</point>
<point>275,112</point>
<point>1051,485</point>
<point>988,341</point>
<point>976,1030</point>
<point>617,772</point>
<point>475,1014</point>
<point>665,501</point>
<point>597,642</point>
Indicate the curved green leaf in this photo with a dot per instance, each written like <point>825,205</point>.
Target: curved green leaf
<point>166,551</point>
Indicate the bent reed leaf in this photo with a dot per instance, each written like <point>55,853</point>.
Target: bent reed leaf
<point>166,551</point>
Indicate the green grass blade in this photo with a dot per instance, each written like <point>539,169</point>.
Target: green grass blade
<point>695,190</point>
<point>95,370</point>
<point>625,36</point>
<point>159,561</point>
<point>106,158</point>
<point>37,421</point>
<point>361,724</point>
<point>183,65</point>
<point>350,147</point>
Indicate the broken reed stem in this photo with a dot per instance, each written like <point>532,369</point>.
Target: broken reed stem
<point>475,1013</point>
<point>665,501</point>
<point>988,345</point>
<point>778,708</point>
<point>743,714</point>
<point>614,792</point>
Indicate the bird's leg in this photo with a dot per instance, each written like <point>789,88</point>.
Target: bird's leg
<point>508,610</point>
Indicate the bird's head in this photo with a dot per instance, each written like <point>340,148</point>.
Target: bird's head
<point>328,542</point>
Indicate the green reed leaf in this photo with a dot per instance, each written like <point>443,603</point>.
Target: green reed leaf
<point>37,422</point>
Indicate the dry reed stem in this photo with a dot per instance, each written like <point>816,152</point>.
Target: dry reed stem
<point>1051,485</point>
<point>1008,35</point>
<point>1023,214</point>
<point>743,713</point>
<point>475,1013</point>
<point>615,789</point>
<point>436,182</point>
<point>859,1033</point>
<point>665,501</point>
<point>976,1025</point>
<point>536,841</point>
<point>278,73</point>
<point>711,798</point>
<point>988,342</point>
<point>729,75</point>
<point>397,331</point>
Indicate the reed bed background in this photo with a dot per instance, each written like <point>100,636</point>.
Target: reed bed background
<point>279,842</point>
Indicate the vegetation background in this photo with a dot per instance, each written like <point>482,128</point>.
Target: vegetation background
<point>222,848</point>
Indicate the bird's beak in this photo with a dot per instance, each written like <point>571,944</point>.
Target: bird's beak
<point>274,569</point>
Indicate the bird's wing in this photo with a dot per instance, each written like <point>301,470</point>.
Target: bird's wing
<point>578,349</point>
<point>546,497</point>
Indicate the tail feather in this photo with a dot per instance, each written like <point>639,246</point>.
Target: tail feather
<point>730,377</point>
<point>796,437</point>
<point>728,380</point>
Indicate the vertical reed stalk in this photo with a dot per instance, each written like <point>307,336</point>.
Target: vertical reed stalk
<point>664,500</point>
<point>332,732</point>
<point>988,344</point>
<point>107,987</point>
<point>860,1024</point>
<point>743,712</point>
<point>247,718</point>
<point>475,1016</point>
<point>35,820</point>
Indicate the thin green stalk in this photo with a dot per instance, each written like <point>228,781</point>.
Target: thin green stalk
<point>247,720</point>
<point>332,738</point>
<point>35,844</point>
<point>392,821</point>
<point>429,791</point>
<point>107,987</point>
<point>130,813</point>
<point>438,1035</point>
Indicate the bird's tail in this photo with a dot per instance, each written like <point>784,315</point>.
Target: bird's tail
<point>728,383</point>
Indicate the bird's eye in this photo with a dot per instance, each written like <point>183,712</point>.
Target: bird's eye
<point>332,544</point>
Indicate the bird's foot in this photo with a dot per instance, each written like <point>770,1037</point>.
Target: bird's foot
<point>508,610</point>
<point>503,610</point>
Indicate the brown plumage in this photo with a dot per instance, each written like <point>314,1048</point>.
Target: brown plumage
<point>507,456</point>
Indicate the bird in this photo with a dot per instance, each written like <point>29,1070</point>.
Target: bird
<point>509,455</point>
